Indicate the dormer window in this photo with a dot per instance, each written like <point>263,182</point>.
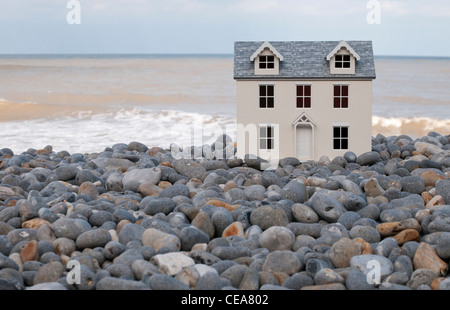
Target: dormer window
<point>342,61</point>
<point>267,62</point>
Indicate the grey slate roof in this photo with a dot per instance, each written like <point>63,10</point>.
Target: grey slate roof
<point>304,60</point>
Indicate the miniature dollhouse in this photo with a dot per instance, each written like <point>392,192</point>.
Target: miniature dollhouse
<point>303,99</point>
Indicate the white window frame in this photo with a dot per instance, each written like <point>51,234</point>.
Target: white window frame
<point>266,96</point>
<point>340,96</point>
<point>341,125</point>
<point>296,94</point>
<point>266,137</point>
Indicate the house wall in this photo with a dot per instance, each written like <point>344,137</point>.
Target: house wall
<point>358,116</point>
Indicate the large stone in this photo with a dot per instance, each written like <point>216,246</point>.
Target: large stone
<point>282,261</point>
<point>268,216</point>
<point>158,239</point>
<point>368,263</point>
<point>172,263</point>
<point>189,168</point>
<point>134,178</point>
<point>70,228</point>
<point>327,207</point>
<point>368,158</point>
<point>342,251</point>
<point>427,258</point>
<point>295,190</point>
<point>277,238</point>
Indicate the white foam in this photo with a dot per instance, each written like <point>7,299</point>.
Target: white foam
<point>85,132</point>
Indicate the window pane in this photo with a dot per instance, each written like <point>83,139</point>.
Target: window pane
<point>263,144</point>
<point>271,58</point>
<point>345,90</point>
<point>337,144</point>
<point>344,144</point>
<point>307,102</point>
<point>270,144</point>
<point>337,90</point>
<point>262,103</point>
<point>299,90</point>
<point>270,65</point>
<point>299,102</point>
<point>346,57</point>
<point>262,91</point>
<point>336,132</point>
<point>262,58</point>
<point>270,90</point>
<point>269,132</point>
<point>338,57</point>
<point>346,65</point>
<point>262,132</point>
<point>308,90</point>
<point>337,103</point>
<point>338,64</point>
<point>344,132</point>
<point>270,103</point>
<point>344,103</point>
<point>262,65</point>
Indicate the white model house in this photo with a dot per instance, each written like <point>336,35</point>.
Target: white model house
<point>303,99</point>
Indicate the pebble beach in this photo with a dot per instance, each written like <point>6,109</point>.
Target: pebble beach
<point>133,217</point>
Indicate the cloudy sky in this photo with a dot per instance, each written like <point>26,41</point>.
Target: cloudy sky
<point>407,27</point>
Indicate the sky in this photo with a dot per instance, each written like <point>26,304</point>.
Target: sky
<point>396,27</point>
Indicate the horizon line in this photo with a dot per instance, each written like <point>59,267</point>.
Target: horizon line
<point>187,54</point>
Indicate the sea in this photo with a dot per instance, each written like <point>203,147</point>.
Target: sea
<point>86,103</point>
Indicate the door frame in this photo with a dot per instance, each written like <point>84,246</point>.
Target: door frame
<point>303,121</point>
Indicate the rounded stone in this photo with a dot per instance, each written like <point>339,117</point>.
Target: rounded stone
<point>70,228</point>
<point>282,261</point>
<point>342,251</point>
<point>304,214</point>
<point>367,263</point>
<point>152,206</point>
<point>277,238</point>
<point>50,272</point>
<point>268,216</point>
<point>93,238</point>
<point>131,232</point>
<point>368,233</point>
<point>327,207</point>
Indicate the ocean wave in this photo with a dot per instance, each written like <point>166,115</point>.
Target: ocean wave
<point>415,126</point>
<point>88,132</point>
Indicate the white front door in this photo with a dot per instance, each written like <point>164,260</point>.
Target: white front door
<point>304,142</point>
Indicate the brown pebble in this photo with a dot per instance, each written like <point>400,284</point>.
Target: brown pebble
<point>406,235</point>
<point>392,228</point>
<point>30,252</point>
<point>426,257</point>
<point>121,224</point>
<point>35,223</point>
<point>223,204</point>
<point>164,184</point>
<point>234,229</point>
<point>167,164</point>
<point>437,200</point>
<point>149,189</point>
<point>229,185</point>
<point>365,246</point>
<point>436,282</point>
